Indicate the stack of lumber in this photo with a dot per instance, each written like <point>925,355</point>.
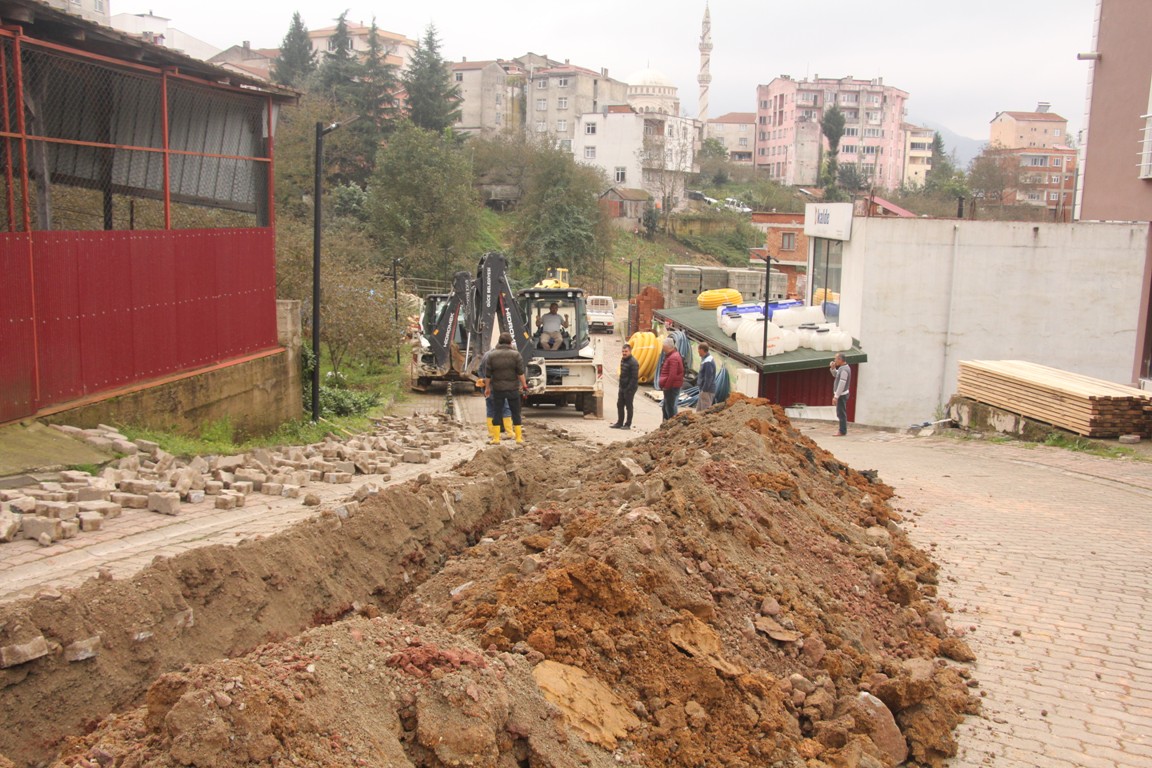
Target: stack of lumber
<point>1081,404</point>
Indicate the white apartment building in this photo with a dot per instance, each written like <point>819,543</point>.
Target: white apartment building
<point>790,145</point>
<point>98,11</point>
<point>737,132</point>
<point>159,30</point>
<point>650,151</point>
<point>917,154</point>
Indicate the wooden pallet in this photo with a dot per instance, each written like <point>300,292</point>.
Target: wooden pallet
<point>1081,404</point>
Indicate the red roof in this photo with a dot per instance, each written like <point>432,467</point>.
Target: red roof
<point>619,108</point>
<point>735,117</point>
<point>1050,117</point>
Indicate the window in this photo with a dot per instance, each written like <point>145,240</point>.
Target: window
<point>542,83</point>
<point>99,6</point>
<point>851,114</point>
<point>743,141</point>
<point>331,42</point>
<point>1056,162</point>
<point>589,153</point>
<point>874,98</point>
<point>873,117</point>
<point>590,129</point>
<point>848,149</point>
<point>848,98</point>
<point>743,127</point>
<point>827,265</point>
<point>1145,170</point>
<point>1055,131</point>
<point>561,82</point>
<point>561,126</point>
<point>873,133</point>
<point>920,146</point>
<point>541,126</point>
<point>541,105</point>
<point>1035,162</point>
<point>499,118</point>
<point>459,77</point>
<point>1053,195</point>
<point>872,150</point>
<point>852,131</point>
<point>562,102</point>
<point>621,174</point>
<point>763,152</point>
<point>1034,196</point>
<point>787,241</point>
<point>566,145</point>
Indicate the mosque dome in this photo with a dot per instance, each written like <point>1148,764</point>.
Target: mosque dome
<point>651,77</point>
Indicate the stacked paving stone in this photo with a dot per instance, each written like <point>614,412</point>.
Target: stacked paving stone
<point>149,478</point>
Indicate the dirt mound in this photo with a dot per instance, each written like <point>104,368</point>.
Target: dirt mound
<point>720,592</point>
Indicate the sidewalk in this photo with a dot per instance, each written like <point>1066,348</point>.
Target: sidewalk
<point>1045,558</point>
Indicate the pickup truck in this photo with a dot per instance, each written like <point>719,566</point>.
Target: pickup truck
<point>601,314</point>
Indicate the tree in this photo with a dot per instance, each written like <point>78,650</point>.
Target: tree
<point>854,177</point>
<point>422,205</point>
<point>339,69</point>
<point>433,99</point>
<point>832,126</point>
<point>378,83</point>
<point>559,219</point>
<point>297,60</point>
<point>993,175</point>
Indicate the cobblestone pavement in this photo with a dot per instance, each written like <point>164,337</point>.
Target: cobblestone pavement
<point>1046,557</point>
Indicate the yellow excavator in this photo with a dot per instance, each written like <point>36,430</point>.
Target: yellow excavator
<point>556,277</point>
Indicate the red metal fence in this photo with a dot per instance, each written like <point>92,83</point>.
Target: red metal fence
<point>137,241</point>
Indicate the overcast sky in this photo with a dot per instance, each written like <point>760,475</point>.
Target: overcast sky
<point>961,62</point>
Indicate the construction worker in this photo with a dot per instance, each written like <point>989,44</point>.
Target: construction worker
<point>504,384</point>
<point>705,378</point>
<point>489,405</point>
<point>671,378</point>
<point>552,327</point>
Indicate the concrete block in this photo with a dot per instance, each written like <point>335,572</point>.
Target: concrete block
<point>415,457</point>
<point>102,508</point>
<point>34,525</point>
<point>344,466</point>
<point>213,487</point>
<point>9,526</point>
<point>289,491</point>
<point>91,493</point>
<point>226,501</point>
<point>91,521</point>
<point>61,510</point>
<point>337,477</point>
<point>347,509</point>
<point>181,480</point>
<point>252,477</point>
<point>147,446</point>
<point>69,529</point>
<point>166,503</point>
<point>75,476</point>
<point>228,463</point>
<point>242,486</point>
<point>272,489</point>
<point>126,447</point>
<point>23,505</point>
<point>164,461</point>
<point>22,653</point>
<point>139,486</point>
<point>82,649</point>
<point>1129,439</point>
<point>129,500</point>
<point>194,497</point>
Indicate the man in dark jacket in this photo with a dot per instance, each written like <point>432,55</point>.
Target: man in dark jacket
<point>706,378</point>
<point>629,380</point>
<point>504,384</point>
<point>671,377</point>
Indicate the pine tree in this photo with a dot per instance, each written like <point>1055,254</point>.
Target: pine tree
<point>340,68</point>
<point>433,99</point>
<point>378,82</point>
<point>297,59</point>
<point>832,126</point>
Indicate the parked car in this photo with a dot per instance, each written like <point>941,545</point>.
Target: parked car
<point>733,204</point>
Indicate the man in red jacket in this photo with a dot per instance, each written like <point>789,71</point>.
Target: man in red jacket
<point>671,377</point>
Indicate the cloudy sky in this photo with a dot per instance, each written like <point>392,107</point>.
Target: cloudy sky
<point>962,62</point>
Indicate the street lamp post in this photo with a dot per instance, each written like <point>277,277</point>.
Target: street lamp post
<point>322,130</point>
<point>768,259</point>
<point>396,299</point>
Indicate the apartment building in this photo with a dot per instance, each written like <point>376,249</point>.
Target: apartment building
<point>159,31</point>
<point>1117,143</point>
<point>737,132</point>
<point>491,96</point>
<point>917,154</point>
<point>1029,130</point>
<point>790,145</point>
<point>92,10</point>
<point>557,94</point>
<point>641,150</point>
<point>398,46</point>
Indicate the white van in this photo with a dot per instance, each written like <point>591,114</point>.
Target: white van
<point>601,314</point>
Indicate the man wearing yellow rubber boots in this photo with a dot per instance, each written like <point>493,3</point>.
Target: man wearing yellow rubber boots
<point>504,384</point>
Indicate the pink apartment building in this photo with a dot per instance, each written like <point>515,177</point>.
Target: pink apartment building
<point>790,145</point>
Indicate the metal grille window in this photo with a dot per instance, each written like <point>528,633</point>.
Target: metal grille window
<point>91,144</point>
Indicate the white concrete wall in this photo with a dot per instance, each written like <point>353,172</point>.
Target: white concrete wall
<point>922,295</point>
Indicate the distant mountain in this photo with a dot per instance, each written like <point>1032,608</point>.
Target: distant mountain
<point>964,147</point>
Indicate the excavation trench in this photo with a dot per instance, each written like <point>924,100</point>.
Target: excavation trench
<point>721,592</point>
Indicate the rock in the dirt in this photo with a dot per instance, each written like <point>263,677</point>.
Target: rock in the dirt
<point>22,653</point>
<point>877,721</point>
<point>311,500</point>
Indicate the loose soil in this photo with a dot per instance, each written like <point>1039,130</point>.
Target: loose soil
<point>721,592</point>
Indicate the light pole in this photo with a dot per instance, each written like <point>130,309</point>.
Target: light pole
<point>768,259</point>
<point>396,299</point>
<point>322,130</point>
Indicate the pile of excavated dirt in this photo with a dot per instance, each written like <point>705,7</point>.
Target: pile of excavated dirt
<point>721,592</point>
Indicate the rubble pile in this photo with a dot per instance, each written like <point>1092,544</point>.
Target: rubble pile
<point>149,478</point>
<point>719,592</point>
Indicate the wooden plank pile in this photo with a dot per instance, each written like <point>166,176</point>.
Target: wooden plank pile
<point>1081,404</point>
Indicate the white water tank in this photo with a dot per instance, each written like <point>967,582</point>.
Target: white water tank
<point>750,337</point>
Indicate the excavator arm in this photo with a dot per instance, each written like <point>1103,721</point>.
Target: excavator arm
<point>444,331</point>
<point>495,306</point>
